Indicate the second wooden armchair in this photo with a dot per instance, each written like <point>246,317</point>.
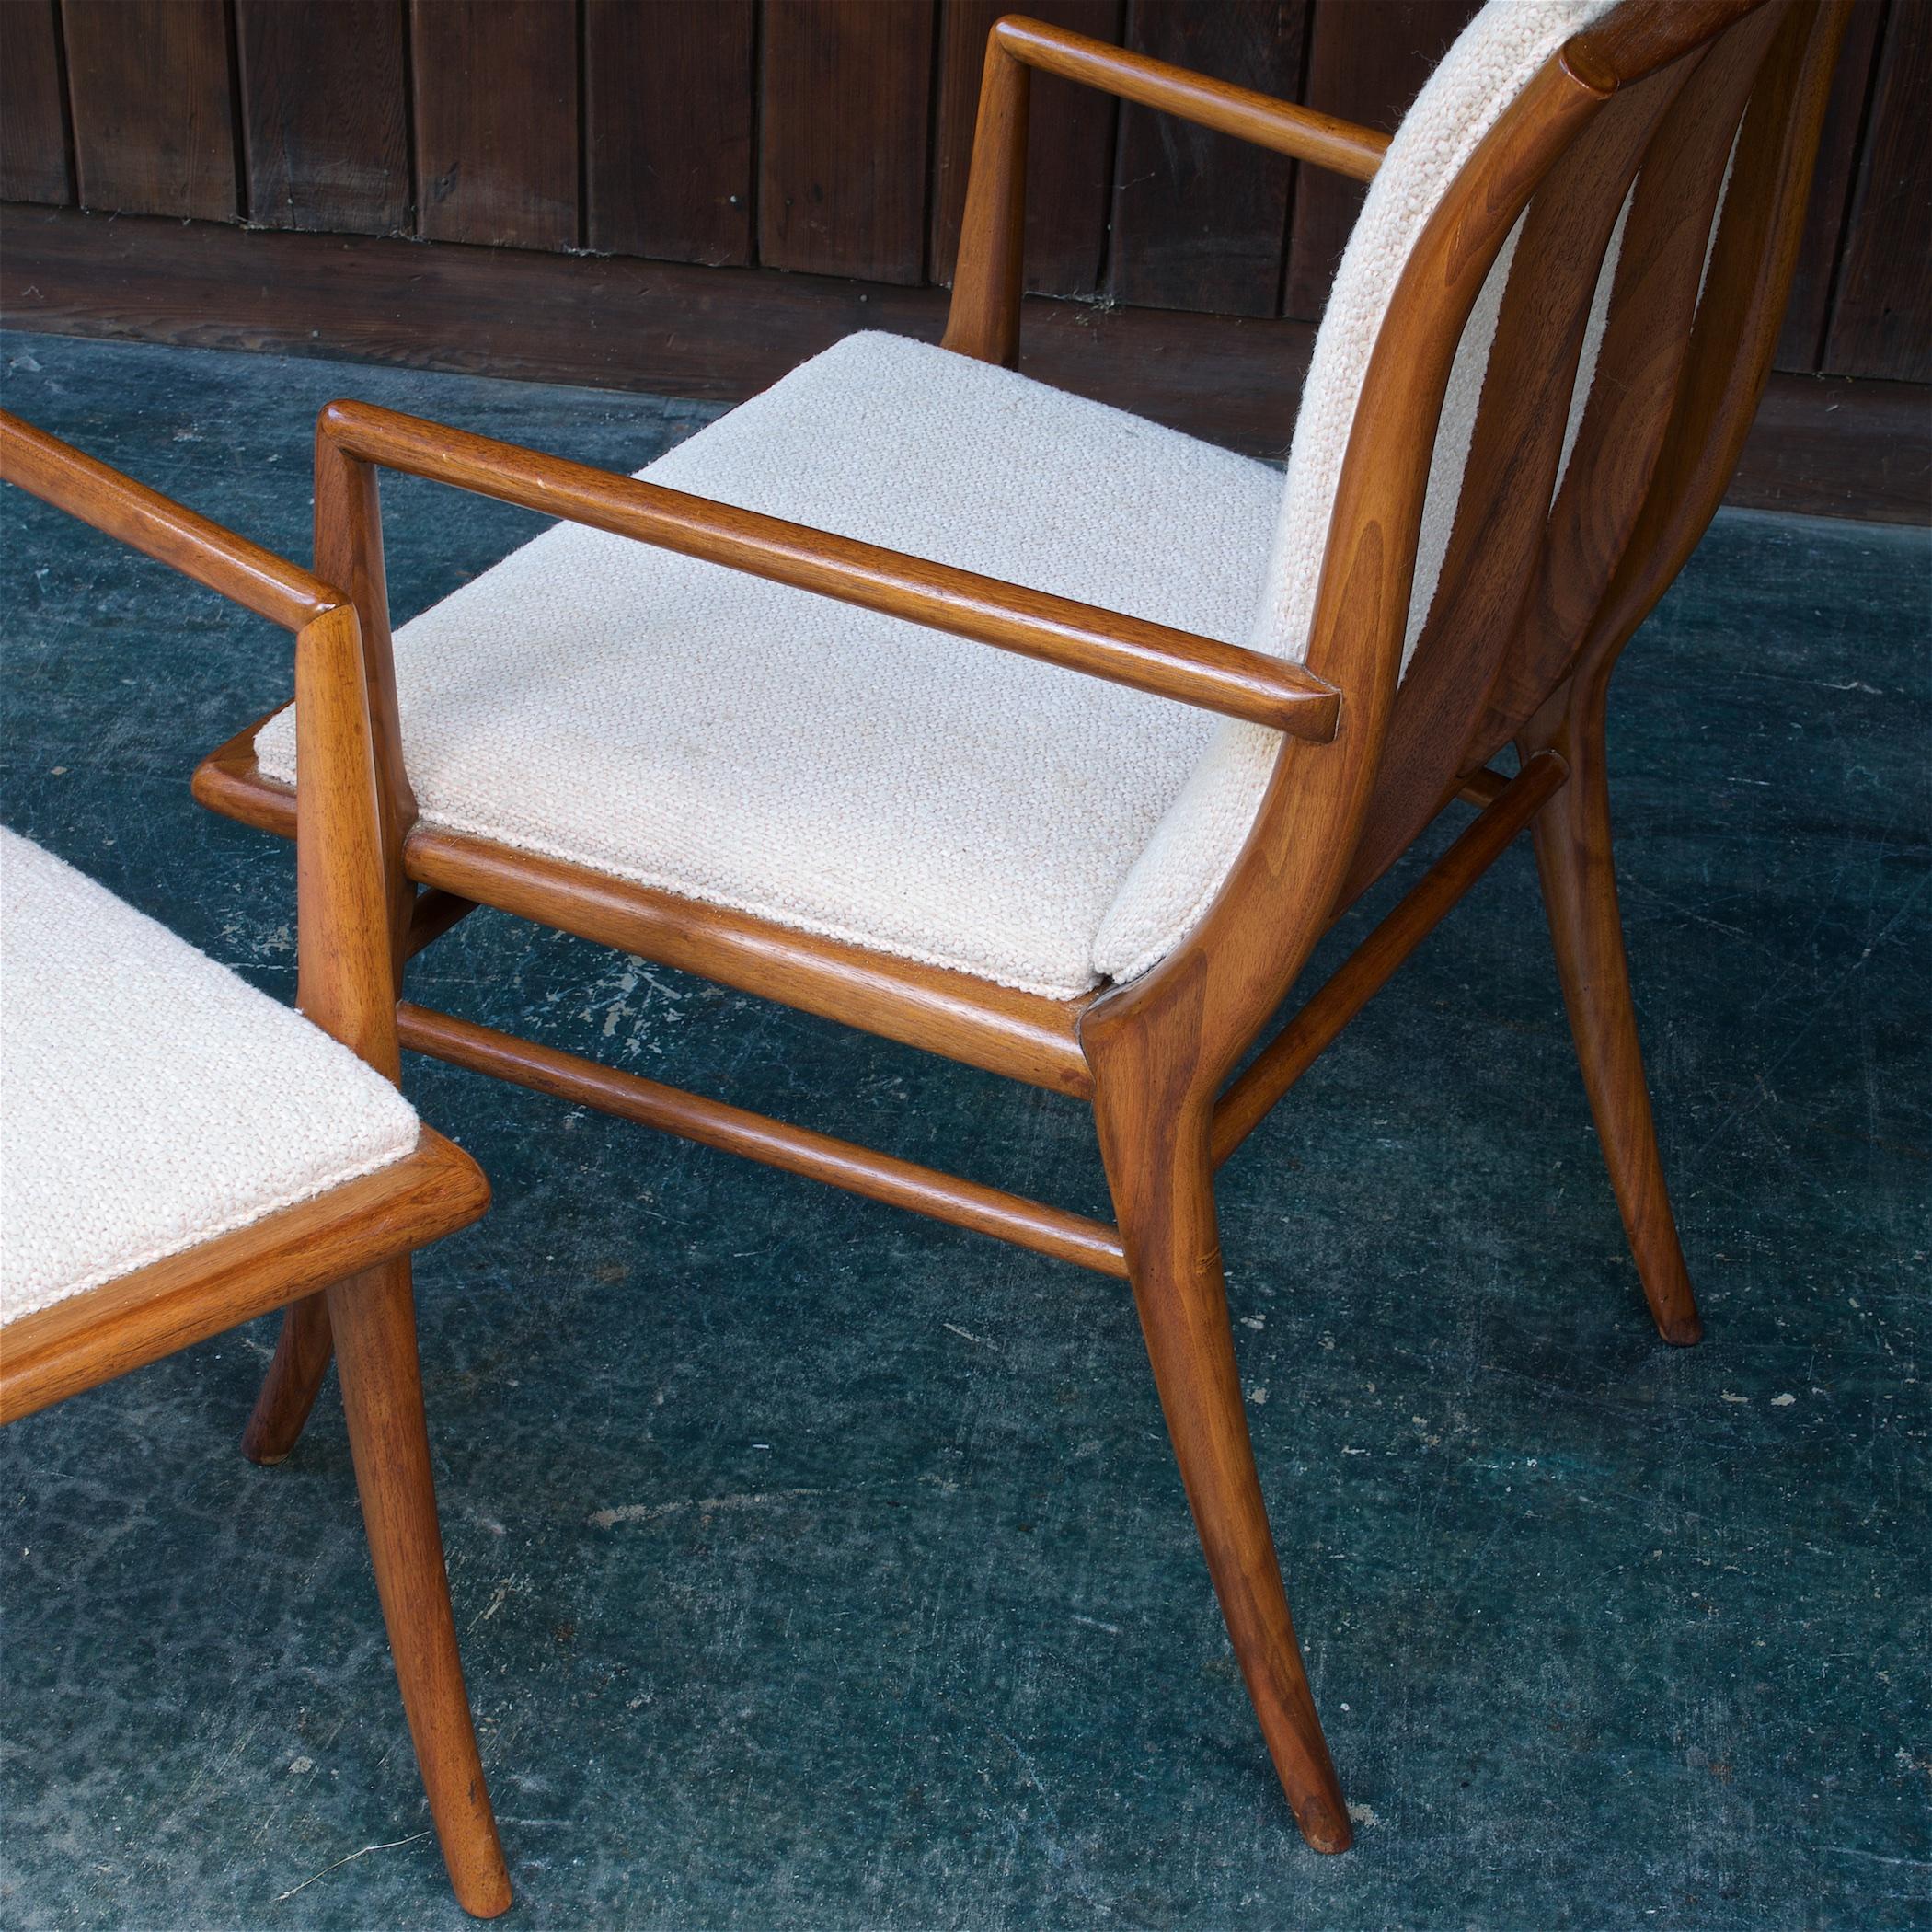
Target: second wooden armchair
<point>768,741</point>
<point>180,1153</point>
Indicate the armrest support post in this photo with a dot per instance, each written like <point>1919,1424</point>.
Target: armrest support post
<point>346,981</point>
<point>982,320</point>
<point>349,551</point>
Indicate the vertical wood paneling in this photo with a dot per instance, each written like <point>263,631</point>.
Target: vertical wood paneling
<point>844,162</point>
<point>1367,60</point>
<point>1199,221</point>
<point>495,86</point>
<point>323,116</point>
<point>1070,146</point>
<point>834,135</point>
<point>33,133</point>
<point>669,97</point>
<point>151,94</point>
<point>1882,319</point>
<point>1803,338</point>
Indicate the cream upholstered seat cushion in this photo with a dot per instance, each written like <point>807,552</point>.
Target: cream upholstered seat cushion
<point>150,1099</point>
<point>698,729</point>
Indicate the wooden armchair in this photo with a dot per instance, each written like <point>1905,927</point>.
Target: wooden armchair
<point>179,1153</point>
<point>765,742</point>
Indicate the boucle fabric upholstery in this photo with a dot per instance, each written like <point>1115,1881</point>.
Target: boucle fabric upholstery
<point>1196,845</point>
<point>149,1099</point>
<point>743,744</point>
<point>759,748</point>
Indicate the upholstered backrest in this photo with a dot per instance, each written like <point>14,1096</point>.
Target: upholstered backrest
<point>1495,57</point>
<point>1610,263</point>
<point>1490,64</point>
<point>1516,467</point>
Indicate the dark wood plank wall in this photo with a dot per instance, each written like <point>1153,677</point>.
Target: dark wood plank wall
<point>845,136</point>
<point>151,89</point>
<point>669,96</point>
<point>493,100</point>
<point>1200,220</point>
<point>1879,320</point>
<point>1802,344</point>
<point>1362,73</point>
<point>832,136</point>
<point>325,119</point>
<point>35,153</point>
<point>1070,148</point>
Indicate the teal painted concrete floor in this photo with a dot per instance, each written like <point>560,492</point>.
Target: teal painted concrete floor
<point>822,1568</point>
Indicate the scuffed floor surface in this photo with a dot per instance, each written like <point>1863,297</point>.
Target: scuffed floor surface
<point>822,1568</point>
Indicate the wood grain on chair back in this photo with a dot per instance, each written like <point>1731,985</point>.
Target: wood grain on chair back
<point>1607,431</point>
<point>1633,216</point>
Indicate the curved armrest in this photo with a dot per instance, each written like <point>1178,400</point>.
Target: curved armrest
<point>346,980</point>
<point>984,319</point>
<point>1323,140</point>
<point>1227,678</point>
<point>144,519</point>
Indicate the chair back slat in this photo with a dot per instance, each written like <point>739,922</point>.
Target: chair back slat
<point>1658,278</point>
<point>1510,478</point>
<point>1729,352</point>
<point>1675,190</point>
<point>1266,835</point>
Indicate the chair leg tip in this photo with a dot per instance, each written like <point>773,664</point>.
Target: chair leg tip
<point>261,1450</point>
<point>1326,1828</point>
<point>486,1898</point>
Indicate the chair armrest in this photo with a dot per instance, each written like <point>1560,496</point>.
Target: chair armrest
<point>1217,676</point>
<point>1308,135</point>
<point>159,527</point>
<point>984,318</point>
<point>346,981</point>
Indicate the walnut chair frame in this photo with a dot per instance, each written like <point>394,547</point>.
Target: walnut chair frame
<point>1536,599</point>
<point>346,1253</point>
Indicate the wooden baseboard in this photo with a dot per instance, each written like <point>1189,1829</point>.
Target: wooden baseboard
<point>1822,445</point>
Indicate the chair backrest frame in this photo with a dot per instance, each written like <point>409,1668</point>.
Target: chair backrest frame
<point>1650,80</point>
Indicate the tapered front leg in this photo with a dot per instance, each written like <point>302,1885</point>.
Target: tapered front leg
<point>1579,873</point>
<point>1158,1168</point>
<point>289,1389</point>
<point>373,1316</point>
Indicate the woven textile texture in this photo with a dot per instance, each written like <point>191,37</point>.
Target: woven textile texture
<point>736,742</point>
<point>152,1099</point>
<point>850,775</point>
